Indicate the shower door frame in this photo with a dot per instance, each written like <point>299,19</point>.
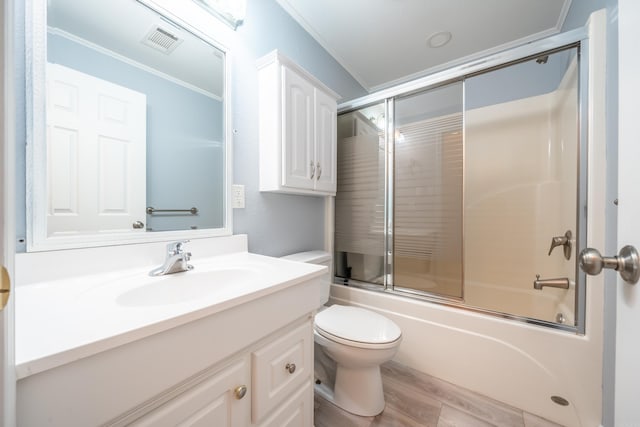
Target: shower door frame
<point>573,39</point>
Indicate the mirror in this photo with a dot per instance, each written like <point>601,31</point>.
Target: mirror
<point>130,127</point>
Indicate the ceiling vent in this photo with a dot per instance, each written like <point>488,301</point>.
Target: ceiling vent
<point>161,39</point>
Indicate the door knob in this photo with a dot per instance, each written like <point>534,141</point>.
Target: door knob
<point>564,241</point>
<point>627,263</point>
<point>5,287</point>
<point>240,392</point>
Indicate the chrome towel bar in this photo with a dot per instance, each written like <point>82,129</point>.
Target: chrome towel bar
<point>151,210</point>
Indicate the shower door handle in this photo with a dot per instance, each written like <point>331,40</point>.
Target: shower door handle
<point>627,263</point>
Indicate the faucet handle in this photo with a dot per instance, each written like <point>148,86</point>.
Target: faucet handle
<point>564,241</point>
<point>175,248</point>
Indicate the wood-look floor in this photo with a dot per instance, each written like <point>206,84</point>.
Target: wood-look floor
<point>416,399</point>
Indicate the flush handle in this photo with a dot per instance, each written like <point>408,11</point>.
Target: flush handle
<point>291,367</point>
<point>564,241</point>
<point>627,263</point>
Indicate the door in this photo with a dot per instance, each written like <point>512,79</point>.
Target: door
<point>299,169</point>
<point>325,142</point>
<point>7,160</point>
<point>96,143</point>
<point>222,400</point>
<point>627,373</point>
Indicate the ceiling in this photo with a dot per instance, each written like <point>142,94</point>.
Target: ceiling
<point>386,42</point>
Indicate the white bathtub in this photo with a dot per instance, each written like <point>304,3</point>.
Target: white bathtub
<point>516,363</point>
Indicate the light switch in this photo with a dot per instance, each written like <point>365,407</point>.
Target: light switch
<point>238,196</point>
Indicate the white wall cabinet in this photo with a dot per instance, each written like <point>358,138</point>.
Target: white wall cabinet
<point>298,131</point>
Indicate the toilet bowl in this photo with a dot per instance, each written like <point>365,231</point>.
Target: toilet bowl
<point>358,341</point>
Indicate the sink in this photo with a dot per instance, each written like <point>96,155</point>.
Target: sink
<point>186,286</point>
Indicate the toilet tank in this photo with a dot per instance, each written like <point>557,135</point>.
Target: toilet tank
<point>316,257</point>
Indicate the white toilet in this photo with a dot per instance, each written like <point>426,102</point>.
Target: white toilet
<point>358,341</point>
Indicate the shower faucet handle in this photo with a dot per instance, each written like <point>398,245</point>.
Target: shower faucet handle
<point>564,241</point>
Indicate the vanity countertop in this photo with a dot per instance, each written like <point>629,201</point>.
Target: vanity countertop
<point>63,320</point>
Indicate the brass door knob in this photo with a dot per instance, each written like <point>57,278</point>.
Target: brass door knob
<point>240,392</point>
<point>5,287</point>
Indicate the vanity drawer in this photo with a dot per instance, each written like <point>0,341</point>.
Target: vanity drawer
<point>296,412</point>
<point>280,369</point>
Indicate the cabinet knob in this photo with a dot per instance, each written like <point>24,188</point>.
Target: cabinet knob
<point>291,367</point>
<point>240,392</point>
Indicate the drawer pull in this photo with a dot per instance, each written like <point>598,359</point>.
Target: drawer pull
<point>291,367</point>
<point>240,391</point>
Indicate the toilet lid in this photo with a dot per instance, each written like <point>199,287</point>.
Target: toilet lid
<point>357,324</point>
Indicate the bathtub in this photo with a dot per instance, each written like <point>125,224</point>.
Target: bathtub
<point>513,362</point>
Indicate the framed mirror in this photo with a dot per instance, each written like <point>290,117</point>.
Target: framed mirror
<point>128,126</point>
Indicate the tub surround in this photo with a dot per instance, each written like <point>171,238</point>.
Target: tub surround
<point>99,331</point>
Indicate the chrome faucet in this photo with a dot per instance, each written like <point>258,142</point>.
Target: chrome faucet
<point>177,260</point>
<point>561,282</point>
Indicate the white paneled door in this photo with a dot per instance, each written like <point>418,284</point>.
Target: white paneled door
<point>627,377</point>
<point>96,147</point>
<point>7,217</point>
<point>326,144</point>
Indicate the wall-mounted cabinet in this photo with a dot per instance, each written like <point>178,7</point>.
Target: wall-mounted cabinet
<point>297,129</point>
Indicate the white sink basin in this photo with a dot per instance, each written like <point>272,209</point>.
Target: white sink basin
<point>184,287</point>
<point>62,320</point>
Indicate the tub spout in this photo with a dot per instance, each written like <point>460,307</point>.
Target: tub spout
<point>561,282</point>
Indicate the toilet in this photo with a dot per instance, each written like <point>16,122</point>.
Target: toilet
<point>358,341</point>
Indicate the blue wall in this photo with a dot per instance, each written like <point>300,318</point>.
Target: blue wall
<point>276,224</point>
<point>188,128</point>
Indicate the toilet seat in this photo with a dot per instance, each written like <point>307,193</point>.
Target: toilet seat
<point>357,327</point>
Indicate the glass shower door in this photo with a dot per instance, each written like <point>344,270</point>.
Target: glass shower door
<point>521,181</point>
<point>427,215</point>
<point>360,197</point>
<point>473,198</point>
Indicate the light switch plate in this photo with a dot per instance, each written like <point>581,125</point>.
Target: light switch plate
<point>237,196</point>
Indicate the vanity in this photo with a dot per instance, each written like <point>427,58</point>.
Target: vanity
<point>231,344</point>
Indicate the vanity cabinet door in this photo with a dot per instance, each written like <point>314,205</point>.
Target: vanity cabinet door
<point>216,401</point>
<point>280,369</point>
